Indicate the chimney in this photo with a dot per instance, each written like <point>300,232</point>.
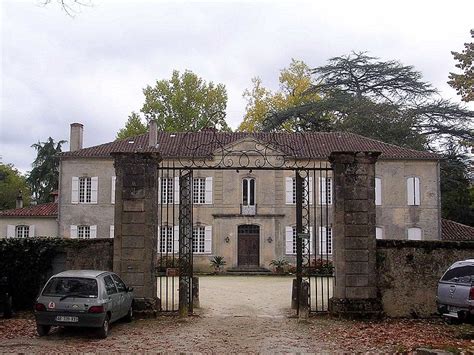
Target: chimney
<point>153,134</point>
<point>19,200</point>
<point>75,141</point>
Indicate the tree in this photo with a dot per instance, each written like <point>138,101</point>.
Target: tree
<point>70,6</point>
<point>44,176</point>
<point>11,183</point>
<point>464,83</point>
<point>295,81</point>
<point>456,199</point>
<point>133,127</point>
<point>186,103</point>
<point>384,100</point>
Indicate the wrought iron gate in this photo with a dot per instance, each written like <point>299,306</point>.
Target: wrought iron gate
<point>312,231</point>
<point>314,248</point>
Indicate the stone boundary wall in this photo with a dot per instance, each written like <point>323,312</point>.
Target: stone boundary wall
<point>92,254</point>
<point>408,272</point>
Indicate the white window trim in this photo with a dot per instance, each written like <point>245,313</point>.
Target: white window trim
<point>379,235</point>
<point>413,191</point>
<point>248,179</point>
<point>112,190</point>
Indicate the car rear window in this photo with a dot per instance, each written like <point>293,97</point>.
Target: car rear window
<point>461,274</point>
<point>63,286</point>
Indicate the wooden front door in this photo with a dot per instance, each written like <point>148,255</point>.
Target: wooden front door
<point>249,245</point>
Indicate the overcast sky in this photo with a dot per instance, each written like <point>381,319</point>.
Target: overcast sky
<point>92,68</point>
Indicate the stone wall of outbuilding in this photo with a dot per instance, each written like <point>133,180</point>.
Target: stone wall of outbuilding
<point>408,273</point>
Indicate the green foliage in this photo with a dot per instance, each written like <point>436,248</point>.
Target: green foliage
<point>384,100</point>
<point>186,103</point>
<point>457,202</point>
<point>320,266</point>
<point>44,177</point>
<point>464,83</point>
<point>295,82</point>
<point>11,182</point>
<point>133,127</point>
<point>217,262</point>
<point>26,263</point>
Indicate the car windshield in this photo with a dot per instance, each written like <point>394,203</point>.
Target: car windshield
<point>74,286</point>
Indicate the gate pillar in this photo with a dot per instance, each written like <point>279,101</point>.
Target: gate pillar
<point>135,225</point>
<point>355,293</point>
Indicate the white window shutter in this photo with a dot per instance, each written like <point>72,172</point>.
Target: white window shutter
<point>31,232</point>
<point>75,190</point>
<point>73,231</point>
<point>322,240</point>
<point>208,190</point>
<point>417,191</point>
<point>311,240</point>
<point>112,191</point>
<point>322,191</point>
<point>208,239</point>
<point>414,233</point>
<point>378,233</point>
<point>176,190</point>
<point>93,232</point>
<point>289,239</point>
<point>112,231</point>
<point>289,190</point>
<point>413,191</point>
<point>310,190</point>
<point>10,231</point>
<point>159,191</point>
<point>176,239</point>
<point>378,191</point>
<point>94,188</point>
<point>158,242</point>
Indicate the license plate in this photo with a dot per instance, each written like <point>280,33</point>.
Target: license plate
<point>453,309</point>
<point>67,319</point>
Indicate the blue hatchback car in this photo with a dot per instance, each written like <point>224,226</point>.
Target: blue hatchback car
<point>83,298</point>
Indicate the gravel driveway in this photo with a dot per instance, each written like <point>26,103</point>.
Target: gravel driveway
<point>241,314</point>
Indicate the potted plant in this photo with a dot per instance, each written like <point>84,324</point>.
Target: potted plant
<point>279,265</point>
<point>217,262</point>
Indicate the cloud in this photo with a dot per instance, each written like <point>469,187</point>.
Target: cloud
<point>92,68</point>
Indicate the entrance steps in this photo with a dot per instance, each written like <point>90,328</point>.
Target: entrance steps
<point>248,271</point>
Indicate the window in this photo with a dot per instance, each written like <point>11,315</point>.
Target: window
<point>413,191</point>
<point>291,190</point>
<point>292,238</point>
<point>84,189</point>
<point>325,240</point>
<point>60,286</point>
<point>415,233</point>
<point>461,274</point>
<point>22,231</point>
<point>198,240</point>
<point>83,232</point>
<point>248,192</point>
<point>112,231</point>
<point>166,190</point>
<point>109,285</point>
<point>119,283</point>
<point>378,233</point>
<point>112,191</point>
<point>168,239</point>
<point>378,191</point>
<point>199,190</point>
<point>325,191</point>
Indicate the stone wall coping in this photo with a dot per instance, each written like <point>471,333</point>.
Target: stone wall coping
<point>424,244</point>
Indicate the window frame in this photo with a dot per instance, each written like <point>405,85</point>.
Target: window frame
<point>85,189</point>
<point>247,193</point>
<point>199,191</point>
<point>22,229</point>
<point>83,231</point>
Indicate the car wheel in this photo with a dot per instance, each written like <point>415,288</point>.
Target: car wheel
<point>129,317</point>
<point>43,330</point>
<point>104,330</point>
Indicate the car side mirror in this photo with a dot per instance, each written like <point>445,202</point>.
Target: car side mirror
<point>129,289</point>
